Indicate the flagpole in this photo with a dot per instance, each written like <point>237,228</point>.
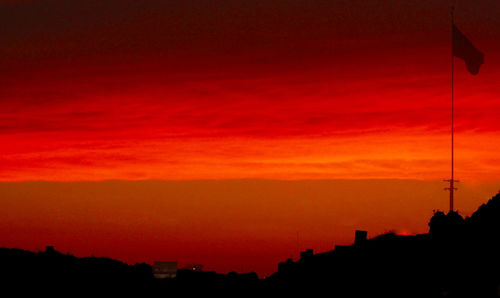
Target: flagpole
<point>462,48</point>
<point>452,180</point>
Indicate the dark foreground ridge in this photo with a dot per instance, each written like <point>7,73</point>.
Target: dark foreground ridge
<point>457,258</point>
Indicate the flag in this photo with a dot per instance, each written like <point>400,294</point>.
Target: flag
<point>465,50</point>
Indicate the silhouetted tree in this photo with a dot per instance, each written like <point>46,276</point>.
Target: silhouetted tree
<point>446,226</point>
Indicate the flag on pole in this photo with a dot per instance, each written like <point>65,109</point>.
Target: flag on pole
<point>465,50</point>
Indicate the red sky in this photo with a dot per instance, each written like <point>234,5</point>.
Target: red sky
<point>277,90</point>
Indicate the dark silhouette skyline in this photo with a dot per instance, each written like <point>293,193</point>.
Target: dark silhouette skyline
<point>458,257</point>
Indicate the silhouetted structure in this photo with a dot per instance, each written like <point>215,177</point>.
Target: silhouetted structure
<point>306,254</point>
<point>360,237</point>
<point>165,270</point>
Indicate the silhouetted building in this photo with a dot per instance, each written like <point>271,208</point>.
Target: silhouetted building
<point>306,253</point>
<point>165,270</point>
<point>360,237</point>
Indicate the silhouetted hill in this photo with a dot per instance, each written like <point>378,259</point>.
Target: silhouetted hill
<point>50,270</point>
<point>457,258</point>
<point>487,216</point>
<point>53,272</point>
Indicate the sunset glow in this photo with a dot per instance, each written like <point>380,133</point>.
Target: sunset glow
<point>179,92</point>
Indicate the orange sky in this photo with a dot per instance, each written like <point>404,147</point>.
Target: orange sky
<point>189,91</point>
<point>242,225</point>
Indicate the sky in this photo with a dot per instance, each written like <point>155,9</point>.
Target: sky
<point>260,117</point>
